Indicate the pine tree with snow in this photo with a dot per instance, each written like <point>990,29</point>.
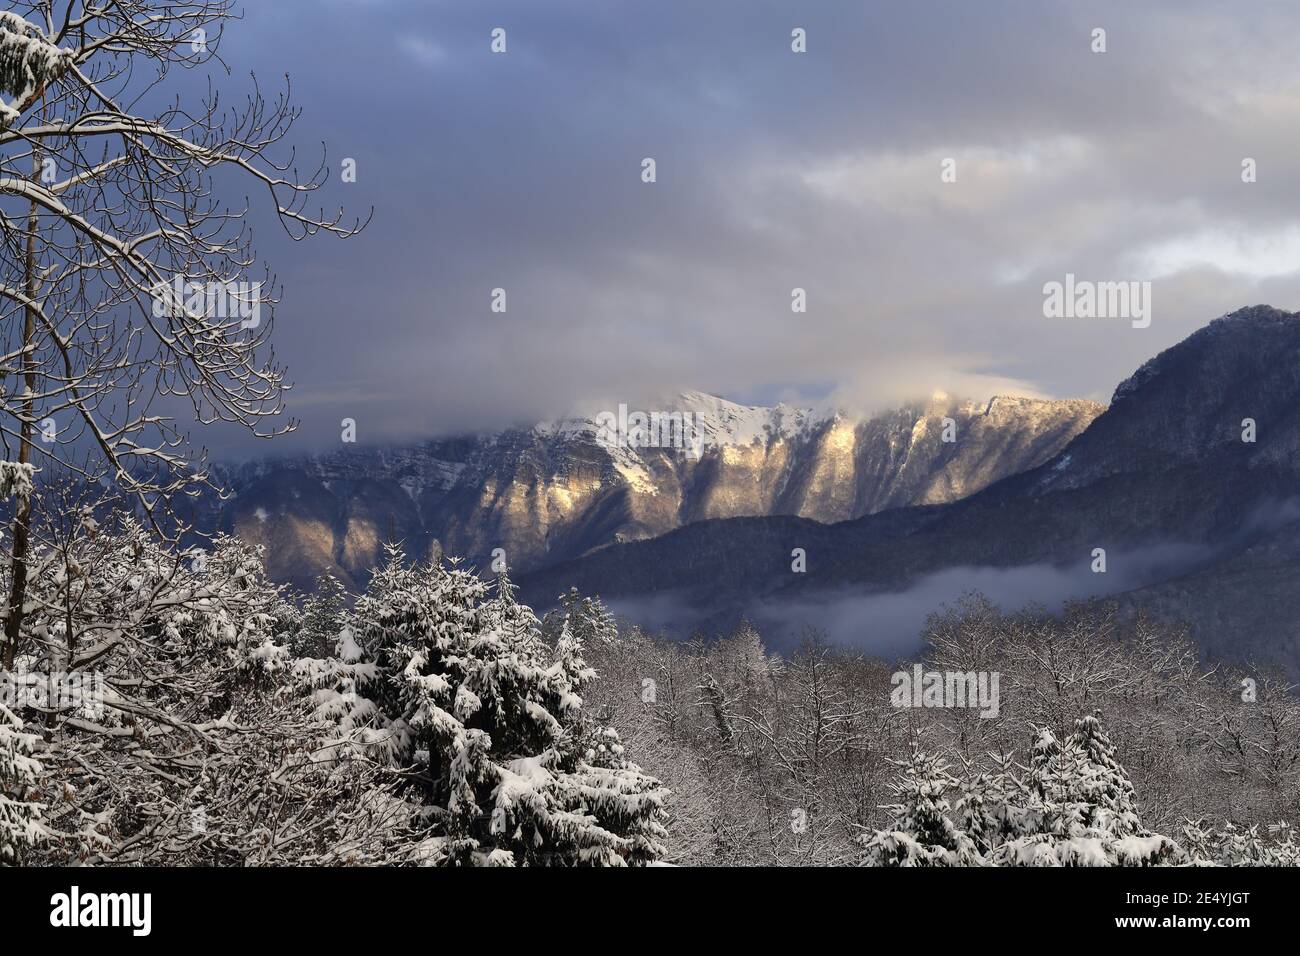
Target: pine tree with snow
<point>323,619</point>
<point>504,612</point>
<point>1238,846</point>
<point>1283,851</point>
<point>990,803</point>
<point>1108,790</point>
<point>1079,808</point>
<point>924,832</point>
<point>485,721</point>
<point>586,618</point>
<point>1073,807</point>
<point>1053,808</point>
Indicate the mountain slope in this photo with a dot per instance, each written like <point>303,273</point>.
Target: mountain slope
<point>557,491</point>
<point>1164,468</point>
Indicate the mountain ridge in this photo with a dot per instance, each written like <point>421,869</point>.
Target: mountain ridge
<point>555,490</point>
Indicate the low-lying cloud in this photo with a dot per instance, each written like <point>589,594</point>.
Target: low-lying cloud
<point>890,624</point>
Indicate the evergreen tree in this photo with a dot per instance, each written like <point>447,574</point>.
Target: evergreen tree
<point>1074,807</point>
<point>1079,809</point>
<point>504,612</point>
<point>992,805</point>
<point>323,619</point>
<point>924,832</point>
<point>486,721</point>
<point>587,619</point>
<point>1109,791</point>
<point>1235,846</point>
<point>1284,851</point>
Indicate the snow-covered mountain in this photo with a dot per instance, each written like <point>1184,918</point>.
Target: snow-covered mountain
<point>561,489</point>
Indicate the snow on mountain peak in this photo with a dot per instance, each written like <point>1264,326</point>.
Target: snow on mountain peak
<point>716,421</point>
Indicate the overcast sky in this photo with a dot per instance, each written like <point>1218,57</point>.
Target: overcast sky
<point>775,169</point>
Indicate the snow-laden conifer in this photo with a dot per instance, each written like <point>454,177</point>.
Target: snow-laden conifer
<point>923,832</point>
<point>484,720</point>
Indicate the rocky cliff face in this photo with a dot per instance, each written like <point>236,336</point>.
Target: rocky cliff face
<point>561,489</point>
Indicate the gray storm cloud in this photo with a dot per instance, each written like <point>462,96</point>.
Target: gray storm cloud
<point>775,170</point>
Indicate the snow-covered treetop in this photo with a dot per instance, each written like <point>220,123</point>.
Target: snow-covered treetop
<point>15,480</point>
<point>28,61</point>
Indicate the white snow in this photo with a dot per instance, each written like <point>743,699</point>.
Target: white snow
<point>27,62</point>
<point>15,479</point>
